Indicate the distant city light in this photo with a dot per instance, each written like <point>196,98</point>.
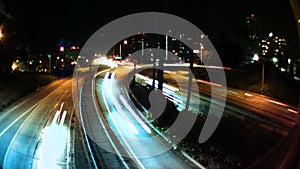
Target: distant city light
<point>125,42</point>
<point>275,60</point>
<point>14,66</point>
<point>255,57</point>
<point>270,34</point>
<point>289,60</point>
<point>1,34</point>
<point>196,51</point>
<point>61,49</point>
<point>73,63</point>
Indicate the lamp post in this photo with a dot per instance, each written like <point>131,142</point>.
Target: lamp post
<point>125,43</point>
<point>256,58</point>
<point>142,42</point>
<point>49,56</point>
<point>201,52</point>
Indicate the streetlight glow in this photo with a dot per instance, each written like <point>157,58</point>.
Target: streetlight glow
<point>61,49</point>
<point>270,34</point>
<point>255,57</point>
<point>275,60</point>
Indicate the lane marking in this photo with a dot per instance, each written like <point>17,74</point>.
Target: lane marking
<point>13,139</point>
<point>146,128</point>
<point>17,119</point>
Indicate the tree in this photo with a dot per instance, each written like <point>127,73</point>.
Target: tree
<point>6,42</point>
<point>231,54</point>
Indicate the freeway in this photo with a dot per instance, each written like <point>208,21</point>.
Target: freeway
<point>133,133</point>
<point>120,112</point>
<point>42,131</point>
<point>255,105</point>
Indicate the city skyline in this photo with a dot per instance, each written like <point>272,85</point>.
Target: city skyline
<point>44,27</point>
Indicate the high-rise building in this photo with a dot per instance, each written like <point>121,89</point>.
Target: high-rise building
<point>268,47</point>
<point>253,36</point>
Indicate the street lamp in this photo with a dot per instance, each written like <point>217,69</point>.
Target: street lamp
<point>125,43</point>
<point>1,34</point>
<point>201,52</point>
<point>49,56</point>
<point>256,58</point>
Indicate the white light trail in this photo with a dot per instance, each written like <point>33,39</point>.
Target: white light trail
<point>148,130</point>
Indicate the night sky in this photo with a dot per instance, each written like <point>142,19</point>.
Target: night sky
<point>43,24</point>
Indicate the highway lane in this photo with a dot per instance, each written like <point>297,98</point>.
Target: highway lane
<point>107,151</point>
<point>257,104</point>
<point>249,103</point>
<point>28,131</point>
<point>134,134</point>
